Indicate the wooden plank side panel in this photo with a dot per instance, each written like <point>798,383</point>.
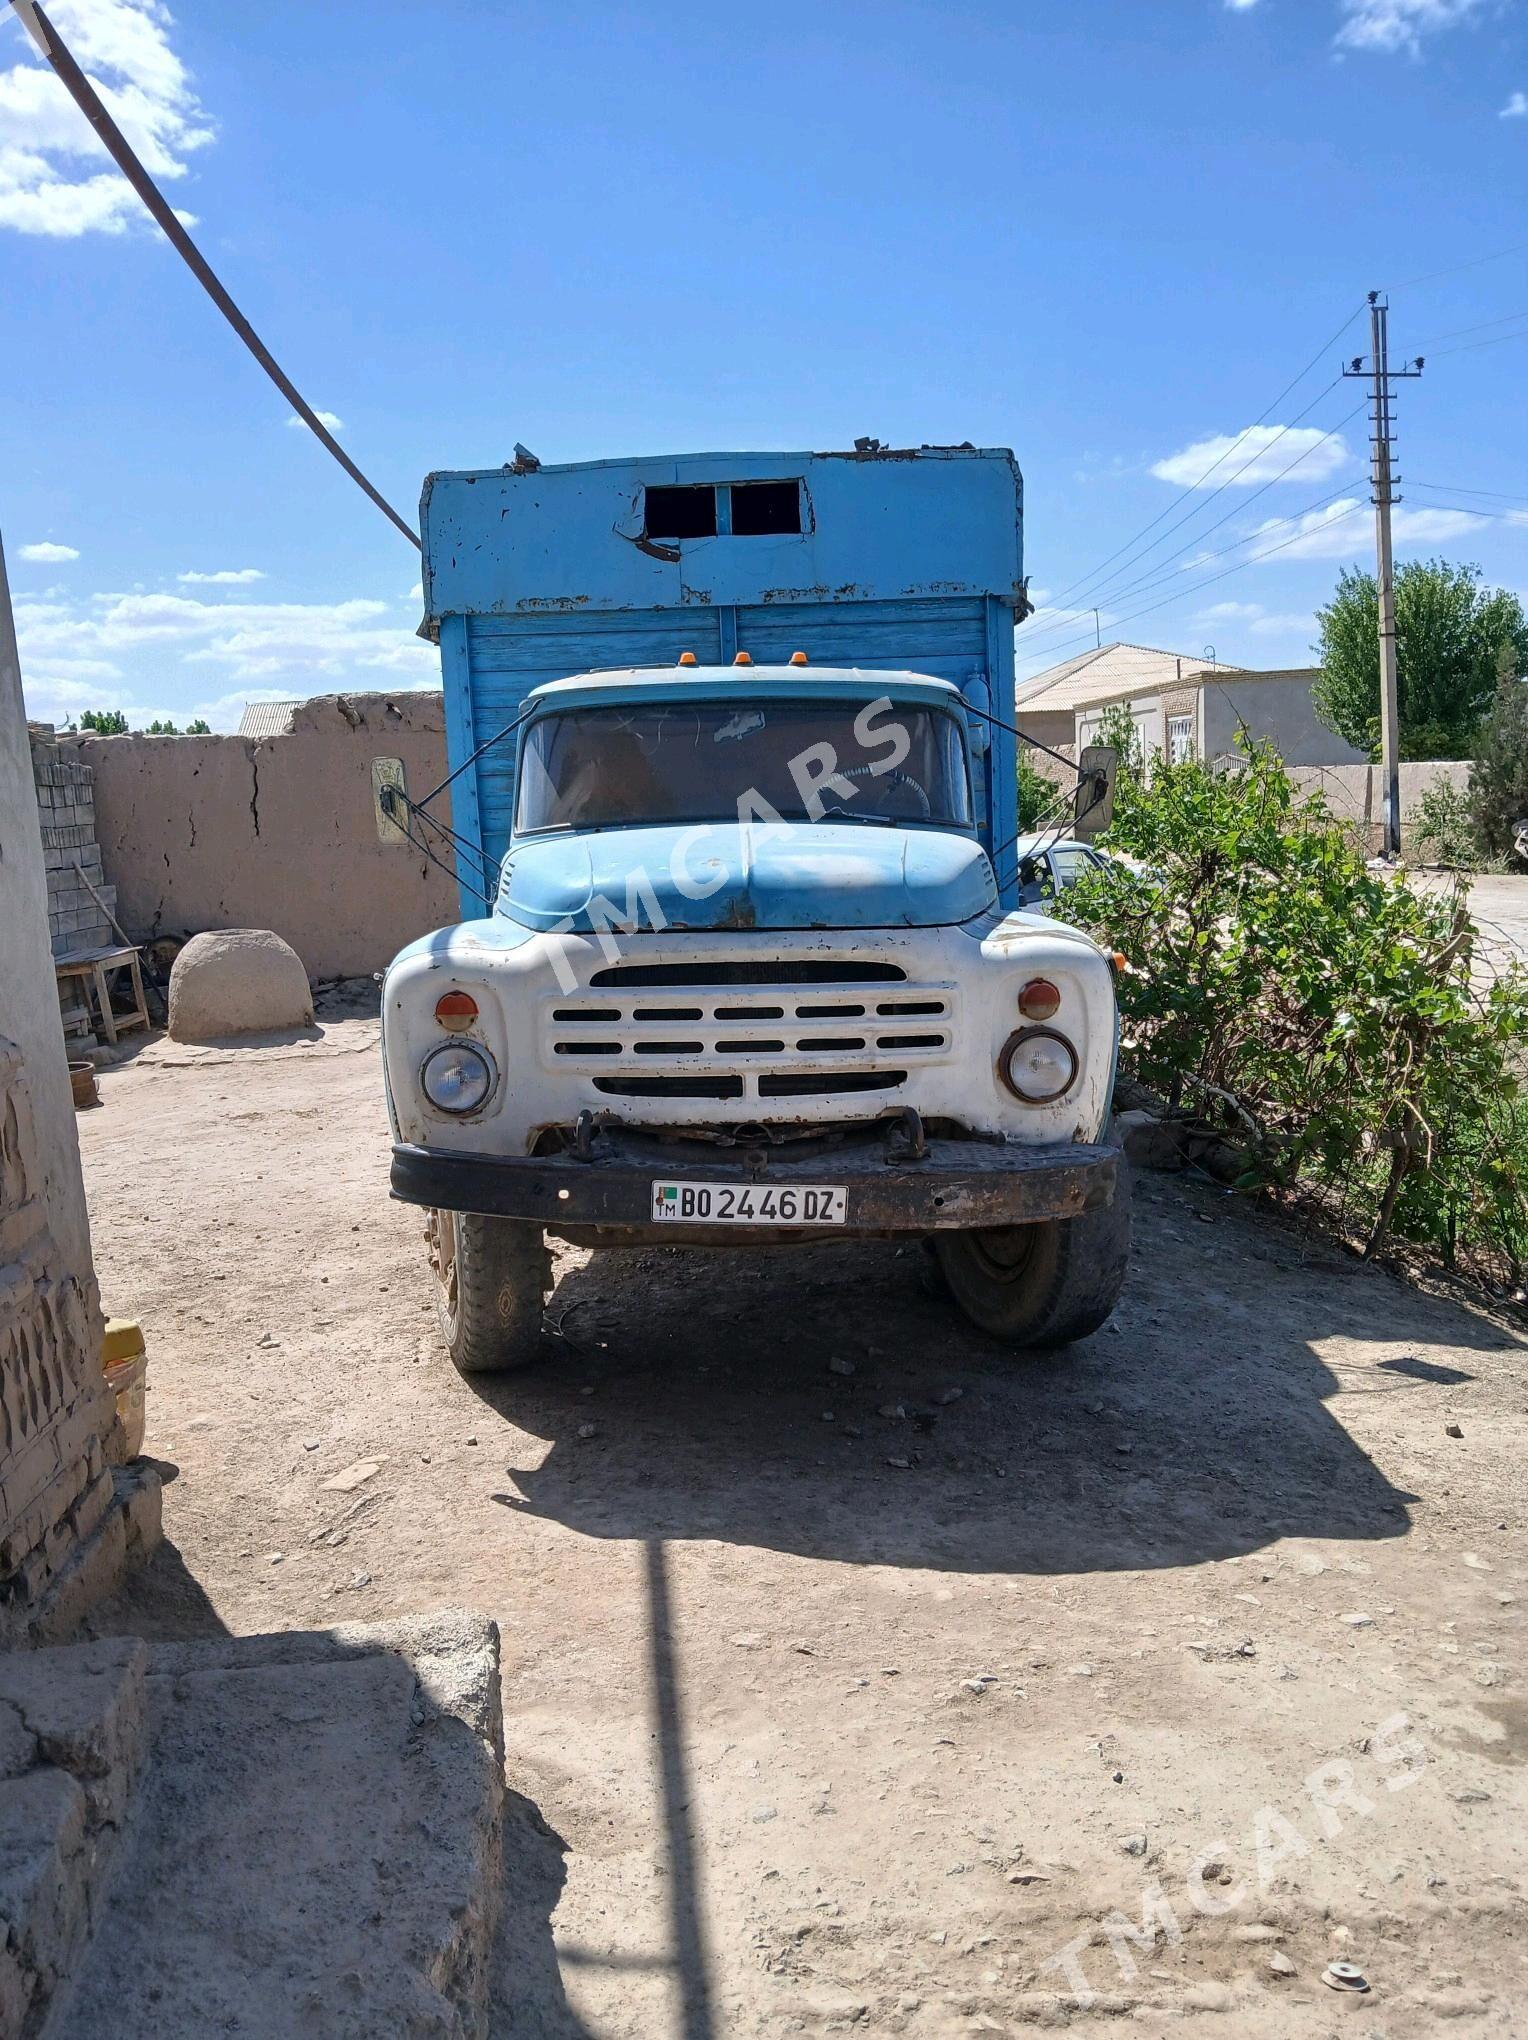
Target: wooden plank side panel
<point>509,656</point>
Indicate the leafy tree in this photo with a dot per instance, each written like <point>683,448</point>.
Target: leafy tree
<point>1118,728</point>
<point>106,722</point>
<point>162,729</point>
<point>1498,795</point>
<point>197,728</point>
<point>1453,639</point>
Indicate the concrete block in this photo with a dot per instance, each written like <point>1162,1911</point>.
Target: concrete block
<point>322,1834</point>
<point>85,1709</point>
<point>93,1570</point>
<point>44,1868</point>
<point>140,1496</point>
<point>1149,1142</point>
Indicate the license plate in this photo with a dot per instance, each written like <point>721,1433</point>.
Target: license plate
<point>749,1204</point>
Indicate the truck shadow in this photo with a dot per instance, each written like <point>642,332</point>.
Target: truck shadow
<point>707,1395</point>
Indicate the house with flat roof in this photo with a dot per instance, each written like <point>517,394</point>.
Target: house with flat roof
<point>1182,706</point>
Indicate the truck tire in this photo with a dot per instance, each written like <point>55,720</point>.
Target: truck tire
<point>491,1277</point>
<point>1044,1284</point>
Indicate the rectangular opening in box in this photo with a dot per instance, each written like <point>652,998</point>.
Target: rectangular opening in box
<point>680,513</point>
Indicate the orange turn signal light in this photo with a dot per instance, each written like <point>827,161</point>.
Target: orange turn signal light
<point>688,659</point>
<point>1119,959</point>
<point>1039,999</point>
<point>798,658</point>
<point>456,1011</point>
<point>743,659</point>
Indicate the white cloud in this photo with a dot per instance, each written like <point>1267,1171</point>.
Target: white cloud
<point>50,182</point>
<point>1343,530</point>
<point>1286,625</point>
<point>1252,616</point>
<point>416,593</point>
<point>1262,454</point>
<point>47,553</point>
<point>225,577</point>
<point>1240,6</point>
<point>310,645</point>
<point>1516,107</point>
<point>1390,25</point>
<point>324,418</point>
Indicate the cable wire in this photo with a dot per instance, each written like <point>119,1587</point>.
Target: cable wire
<point>1194,486</point>
<point>1155,576</point>
<point>1194,587</point>
<point>1220,487</point>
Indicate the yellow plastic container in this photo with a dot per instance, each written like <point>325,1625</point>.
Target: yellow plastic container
<point>125,1365</point>
<point>123,1340</point>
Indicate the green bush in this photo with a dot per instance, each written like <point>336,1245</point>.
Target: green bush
<point>1037,794</point>
<point>1443,827</point>
<point>1319,1014</point>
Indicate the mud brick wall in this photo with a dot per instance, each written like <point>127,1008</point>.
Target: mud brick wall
<point>55,1409</point>
<point>277,832</point>
<point>61,1536</point>
<point>66,813</point>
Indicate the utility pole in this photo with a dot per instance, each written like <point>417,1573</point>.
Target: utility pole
<point>1380,375</point>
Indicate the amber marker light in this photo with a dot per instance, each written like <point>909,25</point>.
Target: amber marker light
<point>456,1011</point>
<point>1039,999</point>
<point>798,658</point>
<point>688,659</point>
<point>743,659</point>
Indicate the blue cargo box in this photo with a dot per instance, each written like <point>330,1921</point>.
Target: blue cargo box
<point>878,559</point>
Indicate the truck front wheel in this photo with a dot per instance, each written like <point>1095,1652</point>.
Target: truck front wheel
<point>491,1277</point>
<point>1043,1284</point>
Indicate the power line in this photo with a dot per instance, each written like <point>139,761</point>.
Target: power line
<point>1482,326</point>
<point>83,93</point>
<point>1194,587</point>
<point>1154,576</point>
<point>1469,346</point>
<point>1454,268</point>
<point>1458,489</point>
<point>1194,486</point>
<point>1220,487</point>
<point>1467,510</point>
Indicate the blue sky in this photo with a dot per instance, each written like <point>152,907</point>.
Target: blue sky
<point>1105,235</point>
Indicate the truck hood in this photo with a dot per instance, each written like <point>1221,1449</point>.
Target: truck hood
<point>752,875</point>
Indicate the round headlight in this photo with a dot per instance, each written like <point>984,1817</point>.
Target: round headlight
<point>456,1077</point>
<point>1038,1065</point>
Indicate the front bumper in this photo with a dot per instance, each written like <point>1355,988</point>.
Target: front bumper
<point>956,1184</point>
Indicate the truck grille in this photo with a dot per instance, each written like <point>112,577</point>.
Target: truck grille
<point>769,1029</point>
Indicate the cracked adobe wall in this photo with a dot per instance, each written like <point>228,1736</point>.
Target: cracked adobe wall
<point>276,832</point>
<point>56,1412</point>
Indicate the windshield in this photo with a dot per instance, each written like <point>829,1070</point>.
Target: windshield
<point>740,760</point>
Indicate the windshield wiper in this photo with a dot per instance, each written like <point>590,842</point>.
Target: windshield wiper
<point>860,815</point>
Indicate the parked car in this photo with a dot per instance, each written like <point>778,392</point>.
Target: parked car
<point>1047,865</point>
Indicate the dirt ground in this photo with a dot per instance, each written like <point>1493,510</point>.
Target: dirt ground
<point>857,1674</point>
